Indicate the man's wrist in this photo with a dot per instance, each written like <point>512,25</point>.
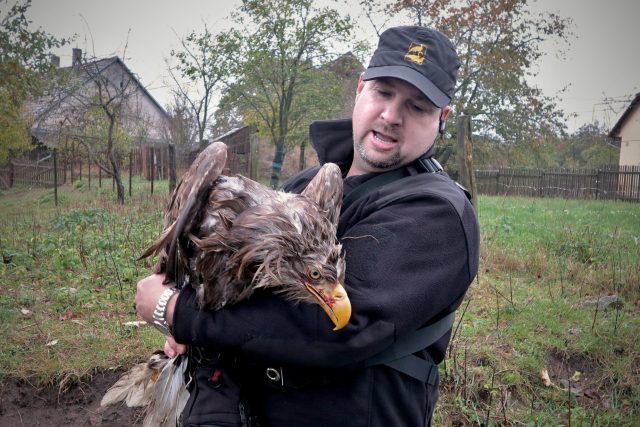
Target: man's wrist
<point>171,306</point>
<point>160,313</point>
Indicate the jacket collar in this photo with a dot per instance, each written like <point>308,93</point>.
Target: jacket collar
<point>333,142</point>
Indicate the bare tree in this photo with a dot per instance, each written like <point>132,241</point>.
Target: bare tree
<point>181,128</point>
<point>203,64</point>
<point>102,111</point>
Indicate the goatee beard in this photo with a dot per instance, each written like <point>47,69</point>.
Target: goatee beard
<point>377,164</point>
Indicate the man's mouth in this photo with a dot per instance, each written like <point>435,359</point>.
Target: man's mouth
<point>382,139</point>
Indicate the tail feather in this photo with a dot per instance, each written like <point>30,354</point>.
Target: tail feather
<point>136,387</point>
<point>170,395</point>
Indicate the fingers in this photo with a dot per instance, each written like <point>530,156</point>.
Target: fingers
<point>172,348</point>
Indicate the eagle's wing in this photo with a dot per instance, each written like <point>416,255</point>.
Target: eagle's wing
<point>186,208</point>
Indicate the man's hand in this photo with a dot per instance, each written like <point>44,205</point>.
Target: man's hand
<point>172,348</point>
<point>148,293</point>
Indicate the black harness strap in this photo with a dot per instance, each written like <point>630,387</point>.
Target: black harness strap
<point>421,165</point>
<point>399,355</point>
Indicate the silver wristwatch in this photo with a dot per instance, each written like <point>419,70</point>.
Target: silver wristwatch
<point>161,308</point>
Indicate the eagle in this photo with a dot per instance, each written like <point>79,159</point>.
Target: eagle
<point>228,236</point>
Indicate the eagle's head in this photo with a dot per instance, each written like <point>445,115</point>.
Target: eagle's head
<point>287,244</point>
<point>300,259</point>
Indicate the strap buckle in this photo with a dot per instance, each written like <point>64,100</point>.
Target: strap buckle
<point>275,375</point>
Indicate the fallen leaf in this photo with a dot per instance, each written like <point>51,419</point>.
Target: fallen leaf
<point>576,376</point>
<point>51,343</point>
<point>68,315</point>
<point>544,374</point>
<point>573,388</point>
<point>135,323</point>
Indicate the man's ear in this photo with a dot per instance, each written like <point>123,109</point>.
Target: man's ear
<point>443,116</point>
<point>445,112</point>
<point>361,83</point>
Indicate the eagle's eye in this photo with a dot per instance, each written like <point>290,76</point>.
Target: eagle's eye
<point>315,274</point>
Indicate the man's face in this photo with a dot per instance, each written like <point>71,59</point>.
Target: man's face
<point>393,124</point>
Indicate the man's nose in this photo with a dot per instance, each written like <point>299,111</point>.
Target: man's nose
<point>392,114</point>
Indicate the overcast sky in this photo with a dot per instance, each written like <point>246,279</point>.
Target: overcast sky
<point>601,68</point>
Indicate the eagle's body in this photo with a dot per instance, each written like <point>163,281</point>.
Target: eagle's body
<point>228,236</point>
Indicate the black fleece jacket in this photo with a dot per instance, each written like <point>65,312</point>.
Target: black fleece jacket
<point>412,249</point>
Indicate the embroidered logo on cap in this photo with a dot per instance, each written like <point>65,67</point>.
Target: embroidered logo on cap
<point>416,53</point>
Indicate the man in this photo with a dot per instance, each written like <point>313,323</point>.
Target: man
<point>411,247</point>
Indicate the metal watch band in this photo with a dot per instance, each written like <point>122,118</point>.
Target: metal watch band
<point>161,308</point>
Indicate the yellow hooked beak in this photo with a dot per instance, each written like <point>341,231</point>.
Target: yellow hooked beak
<point>334,302</point>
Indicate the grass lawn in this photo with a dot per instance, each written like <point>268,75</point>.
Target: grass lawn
<point>548,334</point>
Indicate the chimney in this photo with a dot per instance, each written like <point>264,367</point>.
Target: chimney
<point>55,61</point>
<point>76,57</point>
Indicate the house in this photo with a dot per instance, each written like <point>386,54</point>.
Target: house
<point>627,132</point>
<point>61,113</point>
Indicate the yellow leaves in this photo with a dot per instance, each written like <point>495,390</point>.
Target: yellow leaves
<point>13,128</point>
<point>571,384</point>
<point>546,380</point>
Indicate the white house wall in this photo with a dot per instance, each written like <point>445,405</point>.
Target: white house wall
<point>630,140</point>
<point>142,116</point>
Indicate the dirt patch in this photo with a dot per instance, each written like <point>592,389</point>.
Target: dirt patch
<point>579,374</point>
<point>22,404</point>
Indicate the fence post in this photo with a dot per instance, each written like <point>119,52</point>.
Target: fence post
<point>254,156</point>
<point>130,169</point>
<point>541,183</point>
<point>73,158</point>
<point>153,162</point>
<point>55,177</point>
<point>172,167</point>
<point>12,172</point>
<point>465,158</point>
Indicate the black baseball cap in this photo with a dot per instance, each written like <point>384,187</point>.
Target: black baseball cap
<point>422,56</point>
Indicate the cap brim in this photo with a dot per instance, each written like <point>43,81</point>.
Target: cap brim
<point>410,75</point>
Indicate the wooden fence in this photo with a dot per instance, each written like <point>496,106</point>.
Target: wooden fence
<point>23,173</point>
<point>151,162</point>
<point>616,183</point>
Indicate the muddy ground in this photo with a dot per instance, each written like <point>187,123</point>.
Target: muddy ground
<point>22,404</point>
